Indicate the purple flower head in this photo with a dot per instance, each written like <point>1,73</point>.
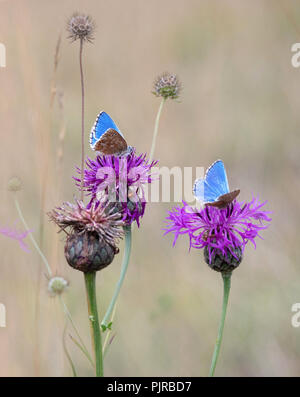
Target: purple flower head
<point>121,180</point>
<point>219,231</point>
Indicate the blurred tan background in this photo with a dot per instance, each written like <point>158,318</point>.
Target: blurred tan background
<point>241,103</point>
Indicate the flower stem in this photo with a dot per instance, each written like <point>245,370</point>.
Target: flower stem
<point>36,246</point>
<point>156,128</point>
<point>105,321</point>
<point>226,282</point>
<point>90,284</point>
<point>82,118</point>
<point>108,340</point>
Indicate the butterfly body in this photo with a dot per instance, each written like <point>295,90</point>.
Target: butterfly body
<point>225,199</point>
<point>213,189</point>
<point>106,137</point>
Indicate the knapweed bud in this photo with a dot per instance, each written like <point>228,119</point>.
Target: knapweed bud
<point>130,211</point>
<point>93,234</point>
<point>81,27</point>
<point>88,252</point>
<point>134,210</point>
<point>223,263</point>
<point>167,86</point>
<point>57,285</point>
<point>135,206</point>
<point>14,184</point>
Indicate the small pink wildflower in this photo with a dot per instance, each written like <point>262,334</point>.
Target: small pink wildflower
<point>16,235</point>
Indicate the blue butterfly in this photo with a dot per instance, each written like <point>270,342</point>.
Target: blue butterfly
<point>213,189</point>
<point>106,137</point>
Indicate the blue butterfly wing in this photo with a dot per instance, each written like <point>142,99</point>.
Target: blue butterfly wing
<point>213,185</point>
<point>102,124</point>
<point>216,178</point>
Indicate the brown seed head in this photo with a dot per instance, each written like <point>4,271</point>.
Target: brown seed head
<point>80,26</point>
<point>167,85</point>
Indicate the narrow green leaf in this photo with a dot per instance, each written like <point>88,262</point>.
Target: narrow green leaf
<point>82,349</point>
<point>66,351</point>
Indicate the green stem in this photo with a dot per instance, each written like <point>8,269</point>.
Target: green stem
<point>107,338</point>
<point>82,118</point>
<point>106,318</point>
<point>226,282</point>
<point>90,284</point>
<point>156,129</point>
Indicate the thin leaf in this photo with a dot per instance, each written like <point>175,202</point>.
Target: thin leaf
<point>66,351</point>
<point>82,349</point>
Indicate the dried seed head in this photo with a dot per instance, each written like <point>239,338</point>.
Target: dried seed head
<point>223,263</point>
<point>88,252</point>
<point>105,221</point>
<point>57,285</point>
<point>80,26</point>
<point>93,233</point>
<point>14,184</point>
<point>167,85</point>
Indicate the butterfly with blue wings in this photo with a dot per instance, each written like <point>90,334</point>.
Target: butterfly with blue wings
<point>105,136</point>
<point>213,189</point>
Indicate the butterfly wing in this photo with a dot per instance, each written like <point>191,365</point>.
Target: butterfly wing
<point>224,200</point>
<point>213,185</point>
<point>105,135</point>
<point>111,142</point>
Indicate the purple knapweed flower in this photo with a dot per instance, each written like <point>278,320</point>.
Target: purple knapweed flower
<point>120,180</point>
<point>222,233</point>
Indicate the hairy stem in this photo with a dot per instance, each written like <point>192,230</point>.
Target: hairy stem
<point>90,284</point>
<point>125,262</point>
<point>156,129</point>
<point>82,118</point>
<point>226,282</point>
